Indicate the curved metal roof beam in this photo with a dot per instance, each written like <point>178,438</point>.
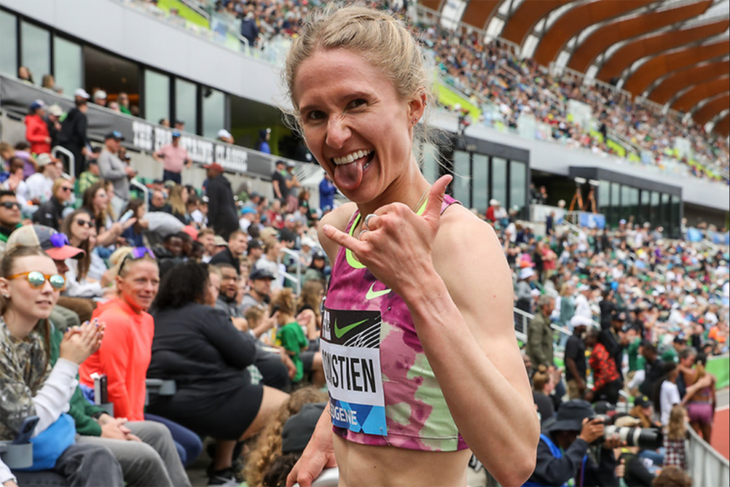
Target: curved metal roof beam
<point>621,30</point>
<point>722,127</point>
<point>710,108</point>
<point>651,45</point>
<point>575,20</point>
<point>699,92</point>
<point>664,88</point>
<point>479,12</point>
<point>432,4</point>
<point>527,16</point>
<point>663,64</point>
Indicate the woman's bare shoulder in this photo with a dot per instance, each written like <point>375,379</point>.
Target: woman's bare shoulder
<point>338,218</point>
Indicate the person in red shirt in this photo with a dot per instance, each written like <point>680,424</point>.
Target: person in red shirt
<point>36,129</point>
<point>606,381</point>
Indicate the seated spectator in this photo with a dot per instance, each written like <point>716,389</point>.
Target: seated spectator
<point>309,314</point>
<point>541,387</point>
<point>157,202</point>
<point>200,214</point>
<point>6,152</point>
<point>178,203</point>
<point>643,410</point>
<point>672,476</point>
<point>89,177</point>
<point>290,336</point>
<point>170,253</point>
<point>77,226</point>
<point>15,183</point>
<point>259,292</point>
<point>233,252</point>
<point>96,201</point>
<point>50,213</point>
<point>30,288</point>
<point>36,130</point>
<point>269,261</point>
<point>22,150</point>
<point>40,184</point>
<point>134,234</point>
<point>9,216</point>
<point>267,447</point>
<point>295,435</point>
<point>207,238</point>
<point>199,347</point>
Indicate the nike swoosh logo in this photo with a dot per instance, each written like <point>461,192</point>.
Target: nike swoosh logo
<point>375,294</point>
<point>340,332</point>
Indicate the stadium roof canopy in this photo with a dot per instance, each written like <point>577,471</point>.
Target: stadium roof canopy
<point>672,52</point>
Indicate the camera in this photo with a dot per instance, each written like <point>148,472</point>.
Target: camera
<point>644,438</point>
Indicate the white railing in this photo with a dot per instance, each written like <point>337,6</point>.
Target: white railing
<point>295,279</point>
<point>706,465</point>
<point>522,322</point>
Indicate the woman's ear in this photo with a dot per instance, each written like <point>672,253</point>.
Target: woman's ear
<point>4,288</point>
<point>417,106</point>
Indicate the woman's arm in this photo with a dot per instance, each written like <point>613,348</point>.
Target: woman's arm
<point>53,398</point>
<point>459,293</point>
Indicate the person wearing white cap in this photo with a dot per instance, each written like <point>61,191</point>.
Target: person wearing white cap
<point>582,306</point>
<point>225,136</point>
<point>81,93</point>
<point>100,97</point>
<point>523,289</point>
<point>40,184</point>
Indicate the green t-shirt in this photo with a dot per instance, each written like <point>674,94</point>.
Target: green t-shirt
<point>292,338</point>
<point>636,361</point>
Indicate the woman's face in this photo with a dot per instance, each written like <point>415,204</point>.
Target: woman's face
<point>101,199</point>
<point>64,191</point>
<point>214,288</point>
<point>140,212</point>
<point>81,226</point>
<point>139,285</point>
<point>355,124</point>
<point>184,195</point>
<point>25,300</point>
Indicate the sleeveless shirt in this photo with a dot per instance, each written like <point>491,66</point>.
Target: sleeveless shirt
<point>382,388</point>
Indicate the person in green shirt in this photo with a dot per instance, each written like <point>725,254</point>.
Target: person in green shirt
<point>671,354</point>
<point>89,177</point>
<point>123,100</point>
<point>636,361</point>
<point>289,333</point>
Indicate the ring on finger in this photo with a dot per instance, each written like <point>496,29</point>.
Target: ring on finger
<point>367,220</point>
<point>359,235</point>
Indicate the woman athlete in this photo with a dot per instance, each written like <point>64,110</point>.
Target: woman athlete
<point>417,341</point>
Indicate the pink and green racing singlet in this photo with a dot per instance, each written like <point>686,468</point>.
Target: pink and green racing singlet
<point>381,386</point>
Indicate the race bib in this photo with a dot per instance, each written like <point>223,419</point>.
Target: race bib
<point>350,349</point>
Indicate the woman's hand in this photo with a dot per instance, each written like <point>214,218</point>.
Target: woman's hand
<point>397,244</point>
<point>128,223</point>
<point>80,342</point>
<point>318,455</point>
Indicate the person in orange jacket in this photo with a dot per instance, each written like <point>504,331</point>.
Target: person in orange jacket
<point>36,129</point>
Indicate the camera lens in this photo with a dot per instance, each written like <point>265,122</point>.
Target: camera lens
<point>644,438</point>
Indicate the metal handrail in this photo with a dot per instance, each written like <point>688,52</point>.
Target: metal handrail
<point>71,158</point>
<point>297,280</point>
<point>706,465</point>
<point>145,190</point>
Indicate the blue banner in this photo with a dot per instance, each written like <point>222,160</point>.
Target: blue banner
<point>359,418</point>
<point>592,220</point>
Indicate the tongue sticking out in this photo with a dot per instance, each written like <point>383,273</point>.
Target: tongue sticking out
<point>349,176</point>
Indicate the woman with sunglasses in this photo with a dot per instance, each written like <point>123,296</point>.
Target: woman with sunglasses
<point>125,355</point>
<point>50,213</point>
<point>29,290</point>
<point>96,201</point>
<point>78,226</point>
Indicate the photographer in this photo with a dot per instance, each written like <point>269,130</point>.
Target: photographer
<point>562,453</point>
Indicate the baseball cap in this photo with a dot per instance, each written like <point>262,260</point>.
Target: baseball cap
<point>247,210</point>
<point>53,243</point>
<point>215,166</point>
<point>493,202</point>
<point>643,401</point>
<point>583,287</point>
<point>114,134</point>
<point>55,110</point>
<point>298,429</point>
<point>37,104</point>
<point>44,159</point>
<point>306,241</point>
<point>220,241</point>
<point>255,243</point>
<point>224,133</point>
<point>280,161</point>
<point>257,274</point>
<point>81,93</point>
<point>526,273</point>
<point>619,316</point>
<point>579,320</point>
<point>176,133</point>
<point>290,164</point>
<point>101,94</point>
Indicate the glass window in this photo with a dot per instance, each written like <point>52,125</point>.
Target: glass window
<point>654,209</point>
<point>615,204</point>
<point>156,96</point>
<point>664,211</point>
<point>186,104</point>
<point>67,64</point>
<point>480,182</point>
<point>633,201</point>
<point>604,197</point>
<point>499,180</point>
<point>645,206</point>
<point>625,206</point>
<point>8,44</point>
<point>674,224</point>
<point>35,51</point>
<point>517,185</point>
<point>430,166</point>
<point>214,112</point>
<point>462,178</point>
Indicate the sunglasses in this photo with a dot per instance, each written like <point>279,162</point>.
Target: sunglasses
<point>66,189</point>
<point>37,279</point>
<point>10,205</point>
<point>136,254</point>
<point>85,223</point>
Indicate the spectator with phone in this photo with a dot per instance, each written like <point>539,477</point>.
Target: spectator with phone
<point>562,453</point>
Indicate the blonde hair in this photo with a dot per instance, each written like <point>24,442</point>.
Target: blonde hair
<point>380,38</point>
<point>310,295</point>
<point>540,379</point>
<point>268,444</point>
<point>253,315</point>
<point>176,201</point>
<point>565,289</point>
<point>677,428</point>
